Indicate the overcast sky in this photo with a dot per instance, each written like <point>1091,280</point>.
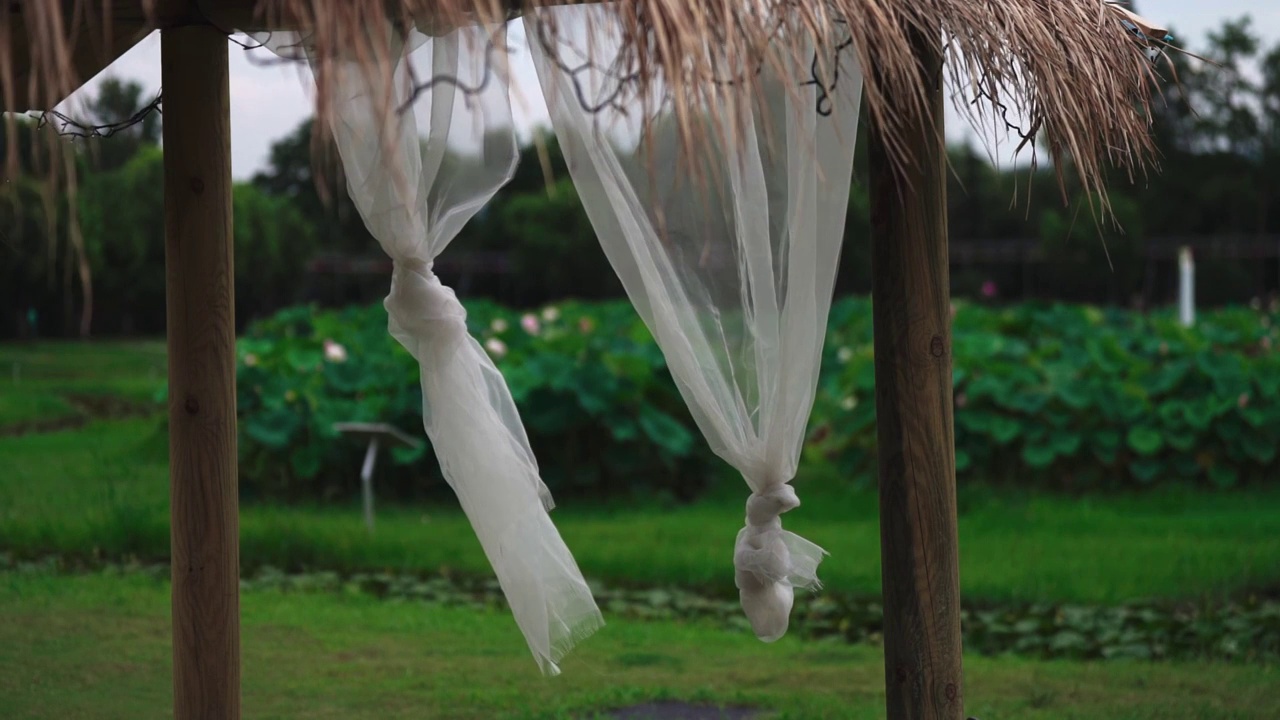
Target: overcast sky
<point>269,102</point>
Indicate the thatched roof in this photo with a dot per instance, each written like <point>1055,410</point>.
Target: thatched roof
<point>1071,70</point>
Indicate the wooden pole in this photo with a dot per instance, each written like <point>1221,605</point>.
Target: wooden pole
<point>915,431</point>
<point>200,278</point>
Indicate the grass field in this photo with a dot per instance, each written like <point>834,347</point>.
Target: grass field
<point>104,489</point>
<point>98,647</point>
<point>39,378</point>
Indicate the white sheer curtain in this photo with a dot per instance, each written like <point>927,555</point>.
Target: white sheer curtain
<point>417,176</point>
<point>728,252</point>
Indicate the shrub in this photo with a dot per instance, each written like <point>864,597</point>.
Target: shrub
<point>601,412</point>
<point>1052,395</point>
<point>1070,396</point>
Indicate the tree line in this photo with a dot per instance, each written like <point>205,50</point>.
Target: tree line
<point>1217,127</point>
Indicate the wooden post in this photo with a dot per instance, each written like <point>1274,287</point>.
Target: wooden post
<point>200,278</point>
<point>915,431</point>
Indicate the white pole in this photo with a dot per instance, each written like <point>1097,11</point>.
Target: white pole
<point>366,481</point>
<point>1186,288</point>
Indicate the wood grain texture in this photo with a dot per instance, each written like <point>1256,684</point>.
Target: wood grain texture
<point>915,431</point>
<point>202,382</point>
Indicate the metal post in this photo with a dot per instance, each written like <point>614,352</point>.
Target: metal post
<point>366,481</point>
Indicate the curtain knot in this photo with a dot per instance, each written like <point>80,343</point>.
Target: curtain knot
<point>765,508</point>
<point>420,304</point>
<point>770,562</point>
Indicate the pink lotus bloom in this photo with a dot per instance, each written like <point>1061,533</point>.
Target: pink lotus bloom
<point>988,289</point>
<point>530,323</point>
<point>496,347</point>
<point>333,352</point>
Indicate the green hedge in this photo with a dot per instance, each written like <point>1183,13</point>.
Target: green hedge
<point>1074,396</point>
<point>601,412</point>
<point>1051,395</point>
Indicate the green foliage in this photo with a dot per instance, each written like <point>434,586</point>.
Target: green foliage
<point>1247,630</point>
<point>125,242</point>
<point>1073,396</point>
<point>119,101</point>
<point>30,275</point>
<point>1219,134</point>
<point>38,261</point>
<point>125,245</point>
<point>602,414</point>
<point>557,250</point>
<point>272,238</point>
<point>1087,264</point>
<point>1060,396</point>
<point>314,185</point>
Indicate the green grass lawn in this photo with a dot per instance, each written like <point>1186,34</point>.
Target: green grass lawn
<point>97,646</point>
<point>104,488</point>
<point>36,378</point>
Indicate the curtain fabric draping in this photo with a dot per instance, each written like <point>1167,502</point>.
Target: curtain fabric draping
<point>728,249</point>
<point>417,174</point>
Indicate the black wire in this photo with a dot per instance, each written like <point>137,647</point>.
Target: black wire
<point>824,103</point>
<point>626,80</point>
<point>70,127</point>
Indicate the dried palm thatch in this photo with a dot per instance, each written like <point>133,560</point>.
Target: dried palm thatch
<point>1072,69</point>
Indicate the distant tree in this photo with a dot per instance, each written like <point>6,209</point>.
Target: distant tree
<point>120,101</point>
<point>273,240</point>
<point>26,144</point>
<point>40,228</point>
<point>1219,129</point>
<point>29,272</point>
<point>122,217</point>
<point>539,165</point>
<point>553,246</point>
<point>321,197</point>
<point>125,242</point>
